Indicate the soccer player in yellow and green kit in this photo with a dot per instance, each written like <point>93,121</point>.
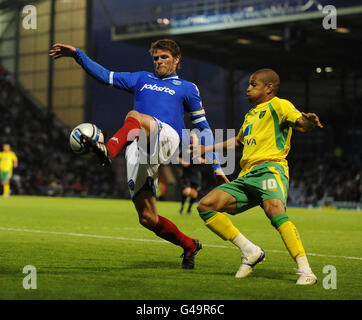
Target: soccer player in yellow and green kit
<point>8,161</point>
<point>264,178</point>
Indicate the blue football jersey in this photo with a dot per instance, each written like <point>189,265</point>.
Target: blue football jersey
<point>166,99</point>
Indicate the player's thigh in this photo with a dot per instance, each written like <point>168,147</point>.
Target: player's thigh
<point>141,175</point>
<point>161,144</point>
<point>239,190</point>
<point>269,182</point>
<point>167,143</point>
<point>147,122</point>
<point>217,200</point>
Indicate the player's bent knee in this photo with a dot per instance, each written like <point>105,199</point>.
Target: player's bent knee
<point>133,114</point>
<point>147,220</point>
<point>273,207</point>
<point>193,193</point>
<point>207,204</point>
<point>203,206</point>
<point>187,192</point>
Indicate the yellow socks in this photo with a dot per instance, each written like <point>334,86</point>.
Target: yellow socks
<point>222,226</point>
<point>6,189</point>
<point>290,235</point>
<point>291,238</point>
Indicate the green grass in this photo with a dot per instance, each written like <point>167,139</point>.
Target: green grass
<point>96,249</point>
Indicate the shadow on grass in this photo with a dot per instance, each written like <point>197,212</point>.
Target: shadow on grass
<point>155,265</point>
<point>76,269</point>
<point>274,275</point>
<point>262,274</point>
<point>132,266</point>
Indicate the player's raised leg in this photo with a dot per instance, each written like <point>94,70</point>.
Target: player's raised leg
<point>145,203</point>
<point>275,210</point>
<point>209,209</point>
<point>130,130</point>
<point>127,133</point>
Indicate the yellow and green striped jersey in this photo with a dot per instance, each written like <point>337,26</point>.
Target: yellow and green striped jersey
<point>6,160</point>
<point>266,134</point>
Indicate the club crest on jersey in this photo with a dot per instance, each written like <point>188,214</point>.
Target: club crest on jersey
<point>131,184</point>
<point>176,82</point>
<point>262,114</point>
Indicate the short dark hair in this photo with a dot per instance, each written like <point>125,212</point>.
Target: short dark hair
<point>166,44</point>
<point>270,76</point>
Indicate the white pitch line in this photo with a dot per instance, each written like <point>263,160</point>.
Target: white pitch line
<point>159,241</point>
<point>79,234</point>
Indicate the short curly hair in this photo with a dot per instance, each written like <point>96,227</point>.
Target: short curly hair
<point>166,44</point>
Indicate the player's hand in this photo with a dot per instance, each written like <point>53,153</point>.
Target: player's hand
<point>196,154</point>
<point>197,151</point>
<point>60,50</point>
<point>312,119</point>
<point>220,177</point>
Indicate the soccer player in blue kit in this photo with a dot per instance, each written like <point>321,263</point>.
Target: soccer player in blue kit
<point>160,101</point>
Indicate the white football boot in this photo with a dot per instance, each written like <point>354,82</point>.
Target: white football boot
<point>306,277</point>
<point>248,262</point>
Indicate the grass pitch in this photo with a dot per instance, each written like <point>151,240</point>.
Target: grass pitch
<point>96,249</point>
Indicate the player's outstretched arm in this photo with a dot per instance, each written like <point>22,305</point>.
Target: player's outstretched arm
<point>60,50</point>
<point>199,150</point>
<point>94,69</point>
<point>307,122</point>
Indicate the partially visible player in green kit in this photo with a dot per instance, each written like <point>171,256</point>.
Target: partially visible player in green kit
<point>264,178</point>
<point>8,161</point>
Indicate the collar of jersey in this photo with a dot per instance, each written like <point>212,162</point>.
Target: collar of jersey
<point>171,76</point>
<point>263,104</point>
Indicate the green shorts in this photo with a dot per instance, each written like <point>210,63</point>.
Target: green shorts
<point>265,181</point>
<point>5,175</point>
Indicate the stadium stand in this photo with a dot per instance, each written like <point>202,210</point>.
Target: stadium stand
<point>46,164</point>
<point>331,180</point>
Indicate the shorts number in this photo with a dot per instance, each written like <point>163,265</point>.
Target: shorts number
<point>269,184</point>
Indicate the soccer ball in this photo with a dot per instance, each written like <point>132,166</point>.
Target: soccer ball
<point>89,130</point>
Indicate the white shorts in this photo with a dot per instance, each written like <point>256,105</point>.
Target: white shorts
<point>142,168</point>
